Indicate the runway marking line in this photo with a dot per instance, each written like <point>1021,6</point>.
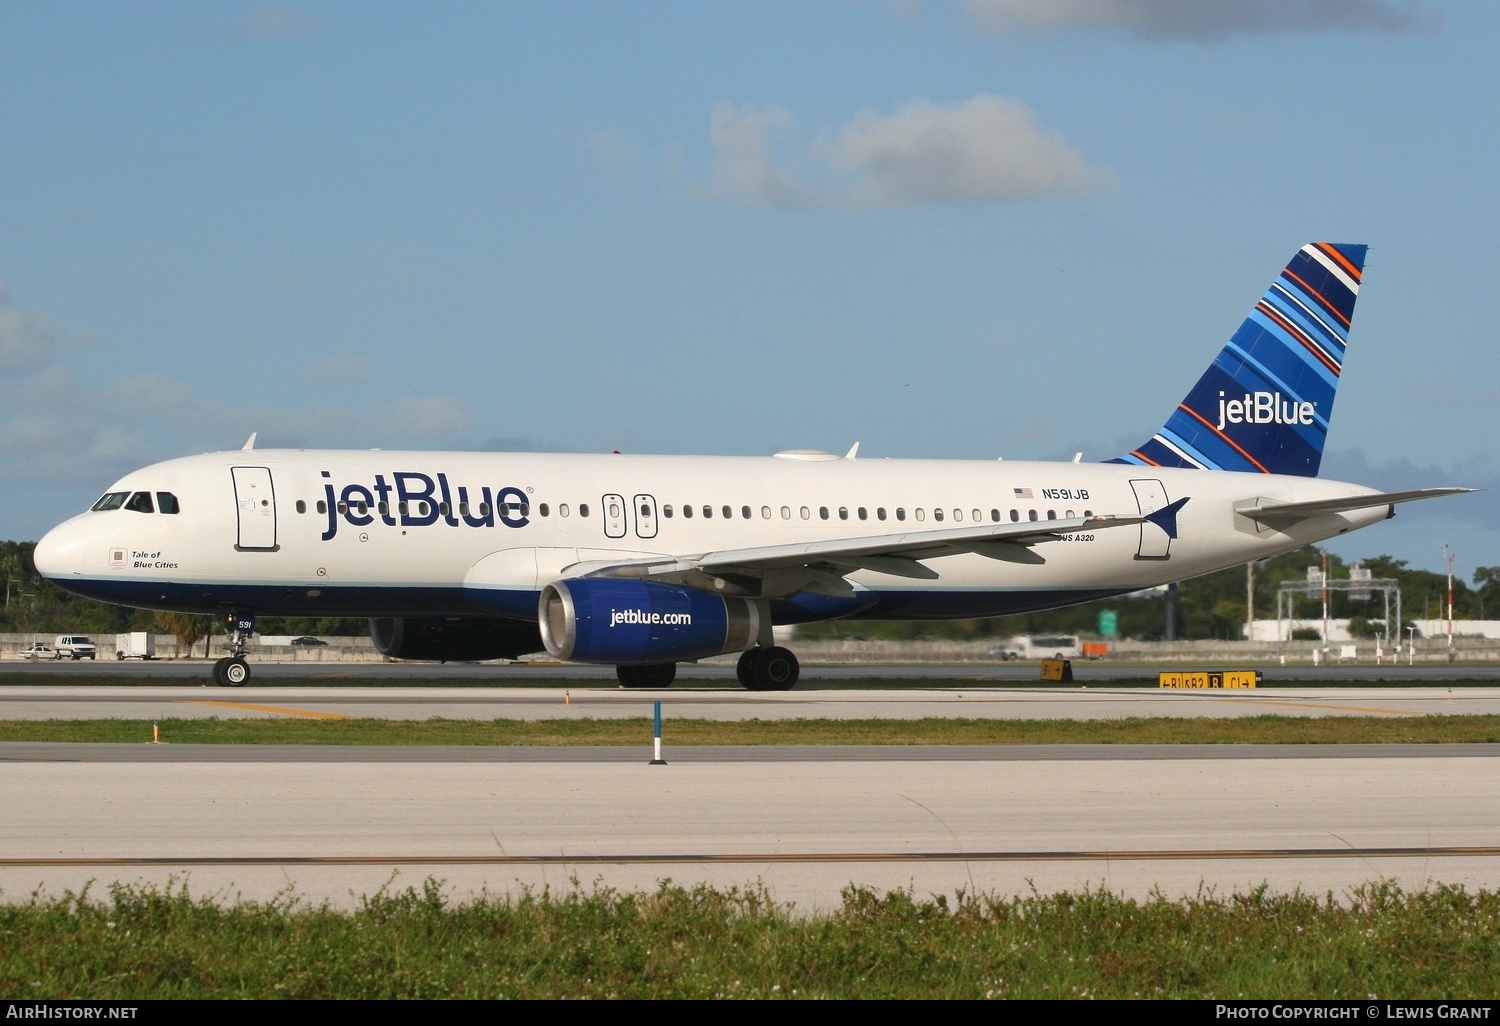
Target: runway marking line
<point>1169,855</point>
<point>270,709</point>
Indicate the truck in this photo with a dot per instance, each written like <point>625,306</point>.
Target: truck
<point>135,645</point>
<point>74,646</point>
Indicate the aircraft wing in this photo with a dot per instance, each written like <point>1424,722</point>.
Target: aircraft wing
<point>822,565</point>
<point>1270,509</point>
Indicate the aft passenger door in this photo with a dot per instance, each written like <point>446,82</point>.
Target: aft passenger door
<point>615,515</point>
<point>1151,496</point>
<point>255,504</point>
<point>645,516</point>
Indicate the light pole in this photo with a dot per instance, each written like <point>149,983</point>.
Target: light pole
<point>1411,645</point>
<point>1449,559</point>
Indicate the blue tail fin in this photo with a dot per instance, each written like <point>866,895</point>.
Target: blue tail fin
<point>1264,404</point>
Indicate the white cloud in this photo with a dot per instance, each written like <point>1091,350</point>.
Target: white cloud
<point>988,149</point>
<point>27,339</point>
<point>343,368</point>
<point>58,430</point>
<point>271,22</point>
<point>1201,20</point>
<point>614,149</point>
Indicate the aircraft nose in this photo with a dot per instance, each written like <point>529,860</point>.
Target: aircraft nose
<point>60,552</point>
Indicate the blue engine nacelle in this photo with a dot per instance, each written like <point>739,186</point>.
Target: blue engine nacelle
<point>607,620</point>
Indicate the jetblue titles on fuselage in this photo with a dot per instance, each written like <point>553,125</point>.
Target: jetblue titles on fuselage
<point>414,499</point>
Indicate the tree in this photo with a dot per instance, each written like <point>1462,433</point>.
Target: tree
<point>187,628</point>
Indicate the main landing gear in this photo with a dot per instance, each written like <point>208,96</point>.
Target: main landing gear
<point>233,671</point>
<point>770,668</point>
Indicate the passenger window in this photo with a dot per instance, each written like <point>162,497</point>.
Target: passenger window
<point>1031,514</point>
<point>402,507</point>
<point>463,509</point>
<point>687,511</point>
<point>745,512</point>
<point>614,511</point>
<point>342,507</point>
<point>442,508</point>
<point>786,512</point>
<point>920,515</point>
<point>110,500</point>
<point>140,502</point>
<point>322,506</point>
<point>301,506</point>
<point>364,508</point>
<point>728,513</point>
<point>864,514</point>
<point>879,512</point>
<point>900,513</point>
<point>958,516</point>
<point>1052,514</point>
<point>1067,514</point>
<point>823,512</point>
<point>1015,516</point>
<point>937,514</point>
<point>666,511</point>
<point>765,512</point>
<point>1088,512</point>
<point>843,512</point>
<point>708,512</point>
<point>385,509</point>
<point>166,502</point>
<point>583,509</point>
<point>646,511</point>
<point>995,515</point>
<point>806,513</point>
<point>978,516</point>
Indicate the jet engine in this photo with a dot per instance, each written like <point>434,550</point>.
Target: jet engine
<point>625,622</point>
<point>444,639</point>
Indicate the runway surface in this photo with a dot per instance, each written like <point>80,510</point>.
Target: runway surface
<point>722,701</point>
<point>333,823</point>
<point>337,823</point>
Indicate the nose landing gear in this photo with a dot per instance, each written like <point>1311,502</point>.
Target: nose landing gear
<point>233,671</point>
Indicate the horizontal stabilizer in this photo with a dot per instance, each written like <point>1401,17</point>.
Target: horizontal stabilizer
<point>1270,509</point>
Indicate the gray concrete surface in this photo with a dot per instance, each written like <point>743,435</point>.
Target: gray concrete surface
<point>722,701</point>
<point>344,825</point>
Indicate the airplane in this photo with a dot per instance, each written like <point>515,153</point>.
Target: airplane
<point>647,561</point>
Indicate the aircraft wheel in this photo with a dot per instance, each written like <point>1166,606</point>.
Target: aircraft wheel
<point>236,672</point>
<point>745,669</point>
<point>655,675</point>
<point>775,669</point>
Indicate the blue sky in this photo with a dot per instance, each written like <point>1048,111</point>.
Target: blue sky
<point>963,229</point>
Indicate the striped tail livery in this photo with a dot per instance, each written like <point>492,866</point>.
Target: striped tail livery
<point>1263,405</point>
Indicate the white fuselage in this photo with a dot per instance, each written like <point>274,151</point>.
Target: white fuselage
<point>481,533</point>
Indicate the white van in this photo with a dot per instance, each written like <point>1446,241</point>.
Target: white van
<point>74,646</point>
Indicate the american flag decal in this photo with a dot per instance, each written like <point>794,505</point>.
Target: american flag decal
<point>1022,493</point>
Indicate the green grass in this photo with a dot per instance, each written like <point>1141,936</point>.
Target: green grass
<point>930,731</point>
<point>677,942</point>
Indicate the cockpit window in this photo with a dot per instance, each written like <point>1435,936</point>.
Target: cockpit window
<point>166,502</point>
<point>110,500</point>
<point>141,503</point>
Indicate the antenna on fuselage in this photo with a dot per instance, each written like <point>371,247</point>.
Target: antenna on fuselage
<point>852,450</point>
<point>250,442</point>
